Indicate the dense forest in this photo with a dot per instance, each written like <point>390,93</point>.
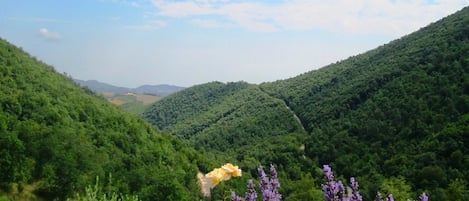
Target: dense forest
<point>395,117</point>
<point>56,138</point>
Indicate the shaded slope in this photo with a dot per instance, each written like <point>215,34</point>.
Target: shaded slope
<point>58,137</point>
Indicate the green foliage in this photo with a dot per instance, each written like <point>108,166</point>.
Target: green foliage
<point>59,136</point>
<point>97,193</point>
<point>303,189</point>
<point>457,190</point>
<point>398,187</point>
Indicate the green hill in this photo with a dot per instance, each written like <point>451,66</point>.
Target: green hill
<point>56,138</point>
<point>399,112</point>
<point>226,119</point>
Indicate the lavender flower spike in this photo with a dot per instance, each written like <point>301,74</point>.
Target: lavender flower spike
<point>274,184</point>
<point>234,197</point>
<point>251,194</point>
<point>268,187</point>
<point>355,194</point>
<point>423,197</point>
<point>390,198</point>
<point>264,184</point>
<point>341,191</point>
<point>330,188</point>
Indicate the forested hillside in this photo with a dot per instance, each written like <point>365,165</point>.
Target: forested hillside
<point>56,138</point>
<point>396,117</point>
<point>235,122</point>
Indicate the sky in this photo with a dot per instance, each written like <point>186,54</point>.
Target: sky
<point>187,42</point>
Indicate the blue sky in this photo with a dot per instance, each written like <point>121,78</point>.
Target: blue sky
<point>181,42</point>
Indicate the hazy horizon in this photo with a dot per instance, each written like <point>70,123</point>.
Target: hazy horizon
<point>130,43</point>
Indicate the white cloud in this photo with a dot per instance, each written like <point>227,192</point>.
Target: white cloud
<point>360,16</point>
<point>49,35</point>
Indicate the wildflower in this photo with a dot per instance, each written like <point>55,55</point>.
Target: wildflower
<point>234,197</point>
<point>390,198</point>
<point>341,191</point>
<point>330,188</point>
<point>423,197</point>
<point>268,187</point>
<point>355,194</point>
<point>211,179</point>
<point>251,194</point>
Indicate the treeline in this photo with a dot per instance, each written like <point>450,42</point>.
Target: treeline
<point>56,138</point>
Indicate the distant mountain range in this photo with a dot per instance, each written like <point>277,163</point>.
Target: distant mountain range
<point>156,90</point>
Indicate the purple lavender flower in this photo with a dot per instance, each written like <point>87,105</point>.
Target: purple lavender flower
<point>355,194</point>
<point>234,197</point>
<point>273,177</point>
<point>390,198</point>
<point>341,191</point>
<point>268,187</point>
<point>264,184</point>
<point>335,191</point>
<point>251,194</point>
<point>330,188</point>
<point>274,184</point>
<point>423,197</point>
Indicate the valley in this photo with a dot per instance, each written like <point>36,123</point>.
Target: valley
<point>396,118</point>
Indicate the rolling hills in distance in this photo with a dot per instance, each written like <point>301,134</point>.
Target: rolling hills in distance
<point>160,90</point>
<point>134,100</point>
<point>395,117</point>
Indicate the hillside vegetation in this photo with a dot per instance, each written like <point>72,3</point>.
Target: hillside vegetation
<point>226,119</point>
<point>396,117</point>
<point>56,138</point>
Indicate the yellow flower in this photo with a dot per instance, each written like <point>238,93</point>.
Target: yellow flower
<point>211,179</point>
<point>232,170</point>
